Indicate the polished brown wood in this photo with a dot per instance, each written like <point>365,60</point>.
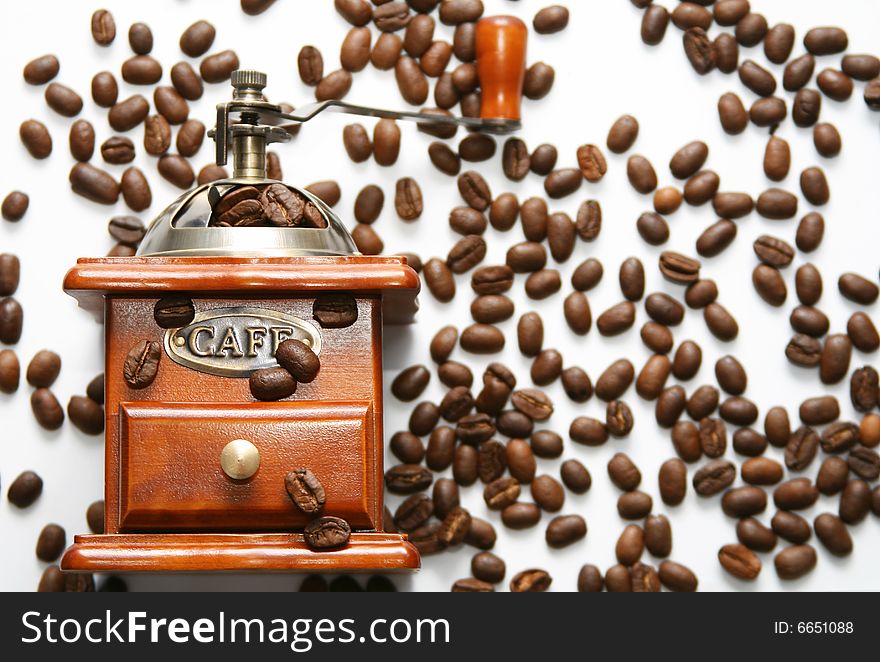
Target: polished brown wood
<point>193,552</point>
<point>164,487</point>
<point>501,65</point>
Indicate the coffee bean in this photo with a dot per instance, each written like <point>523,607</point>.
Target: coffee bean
<point>713,437</point>
<point>839,437</point>
<point>141,70</point>
<point>127,114</point>
<point>474,190</point>
<point>720,322</point>
<point>806,107</point>
<point>103,27</point>
<point>618,578</point>
<point>864,462</point>
<point>11,318</point>
<point>443,343</point>
<point>616,319</point>
<point>814,186</point>
<point>834,361</point>
<point>672,481</point>
<point>687,360</point>
<point>864,388</point>
<point>407,478</point>
<point>419,35</point>
<point>25,489</point>
<point>515,159</point>
<point>729,12</point>
<point>618,418</point>
<point>654,22</point>
<point>270,384</point>
<point>530,581</point>
<point>51,543</point>
<point>739,561</point>
<point>86,414</point>
<point>832,533</point>
<point>761,471</point>
<point>623,472</point>
<point>43,369</point>
<point>658,535</point>
<point>547,493</point>
<point>176,170</point>
<point>769,284</point>
<point>641,174</point>
<point>657,337</point>
<point>731,375</point>
<point>503,211</point>
<point>577,313</point>
<point>835,84</point>
<point>41,70</point>
<point>190,137</point>
<point>744,501</point>
<point>653,376</point>
<point>306,491</point>
<point>732,113</point>
<point>576,383</point>
<point>543,283</point>
<point>583,430</point>
<point>861,67</point>
<point>632,279</point>
<point>769,111</point>
<point>356,12</point>
<point>299,360</point>
<point>197,38</point>
<point>488,567</point>
<point>703,402</point>
<point>690,14</point>
<point>825,41</point>
<point>738,411</point>
<point>357,142</point>
<point>10,269</point>
<point>634,505</point>
<point>562,182</point>
<point>678,268</point>
<point>862,332</point>
<point>794,562</point>
<point>801,448</point>
<point>413,512</point>
<point>855,501</point>
<point>466,253</point>
<point>700,50</point>
<point>36,139</point>
<point>754,535</point>
<point>533,403</point>
<point>663,309</point>
<point>117,150</point>
<point>757,79</point>
<point>653,228</point>
<point>218,67</point>
<point>491,279</point>
<point>858,289</point>
<point>408,199</point>
<point>335,311</point>
<point>390,17</point>
<point>827,140</point>
<point>615,380</point>
<point>670,405</point>
<point>564,530</point>
<point>104,89</point>
<point>10,371</point>
<point>501,493</point>
<point>714,477</point>
<point>327,533</point>
<point>170,104</point>
<point>832,476</point>
<point>795,494</point>
<point>810,321</point>
<point>15,205</point>
<point>519,516</point>
<point>779,42</point>
<point>538,80</point>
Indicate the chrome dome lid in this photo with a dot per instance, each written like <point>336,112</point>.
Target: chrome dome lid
<point>183,229</point>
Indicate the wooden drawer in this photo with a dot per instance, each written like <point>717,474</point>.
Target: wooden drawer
<point>171,479</point>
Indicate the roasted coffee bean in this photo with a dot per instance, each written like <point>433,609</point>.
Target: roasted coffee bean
<point>632,278</point>
<point>670,405</point>
<point>474,190</point>
<point>839,437</point>
<point>634,505</point>
<point>591,162</point>
<point>658,535</point>
<point>190,137</point>
<point>777,159</point>
<point>269,384</point>
<point>738,411</point>
<point>310,64</point>
<point>616,319</point>
<point>703,402</point>
<point>466,220</point>
<point>407,478</point>
<point>726,53</point>
<point>419,35</point>
<point>731,375</point>
<point>587,275</point>
<point>686,441</point>
<point>778,43</point>
<point>408,199</point>
<point>653,376</point>
<point>653,228</point>
<point>623,472</point>
<point>488,567</point>
<point>327,533</point>
<point>855,501</point>
<point>530,581</point>
<point>577,313</point>
<point>454,374</point>
<point>864,389</point>
<point>127,114</point>
<point>729,12</point>
<point>757,79</point>
<point>51,543</point>
<point>563,530</point>
<point>801,448</point>
<point>491,461</point>
<point>678,268</point>
<point>439,280</point>
<point>306,491</point>
<point>10,269</point>
<point>739,561</point>
<point>689,159</point>
<point>590,579</point>
<point>832,476</point>
<point>862,332</point>
<point>538,80</point>
<point>618,419</point>
<point>547,493</point>
<point>615,380</point>
<point>699,49</point>
<point>769,111</point>
<point>791,527</point>
<point>550,19</point>
<point>754,535</point>
<point>466,254</point>
<point>357,142</point>
<point>170,104</point>
<point>457,403</point>
<point>687,360</point>
<point>872,94</point>
<point>41,70</point>
<point>515,159</point>
<point>672,481</point>
<point>481,534</point>
<point>826,41</point>
<point>751,29</point>
<point>809,320</point>
<point>43,369</point>
<point>864,462</point>
<point>657,337</point>
<point>701,188</point>
<point>197,38</point>
<point>334,85</point>
<point>667,200</point>
<point>454,527</point>
<point>713,437</point>
<point>157,138</point>
<point>832,533</point>
<point>701,293</point>
<point>501,493</point>
<point>141,70</point>
<point>714,477</point>
<point>391,16</point>
<point>543,283</point>
<point>720,322</point>
<point>407,447</point>
<point>769,284</point>
<point>654,22</point>
<point>561,235</point>
<point>814,186</point>
<point>411,80</point>
<point>103,27</point>
<point>835,357</point>
<point>744,501</point>
<point>355,50</point>
<point>299,360</point>
<point>562,182</point>
<point>716,238</point>
<point>15,205</point>
<point>36,139</point>
<point>618,578</point>
<point>11,318</point>
<point>794,562</point>
<point>583,430</point>
<point>25,489</point>
<point>63,100</point>
<point>827,140</point>
<point>218,67</point>
<point>810,232</point>
<point>663,309</point>
<point>533,403</point>
<point>808,284</point>
<point>858,289</point>
<point>806,107</point>
<point>861,67</point>
<point>46,408</point>
<point>543,159</point>
<point>761,471</point>
<point>733,115</point>
<point>10,371</point>
<point>82,140</point>
<point>641,174</point>
<point>117,150</point>
<point>795,494</point>
<point>503,211</point>
<point>519,516</point>
<point>804,350</point>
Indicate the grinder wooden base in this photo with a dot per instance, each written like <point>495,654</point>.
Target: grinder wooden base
<point>279,552</point>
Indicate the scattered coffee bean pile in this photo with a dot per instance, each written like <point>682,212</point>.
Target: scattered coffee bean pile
<point>274,205</point>
<point>491,437</point>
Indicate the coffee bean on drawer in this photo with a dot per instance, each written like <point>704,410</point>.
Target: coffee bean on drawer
<point>305,490</point>
<point>299,360</point>
<point>270,384</point>
<point>173,311</point>
<point>335,311</point>
<point>142,364</point>
<point>327,533</point>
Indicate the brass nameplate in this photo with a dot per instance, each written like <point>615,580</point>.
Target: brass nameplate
<point>234,342</point>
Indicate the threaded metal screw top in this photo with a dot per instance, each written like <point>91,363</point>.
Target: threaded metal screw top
<point>244,78</point>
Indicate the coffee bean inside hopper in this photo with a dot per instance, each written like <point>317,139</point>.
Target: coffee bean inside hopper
<point>274,205</point>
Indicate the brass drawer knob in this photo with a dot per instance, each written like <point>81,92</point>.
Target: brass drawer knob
<point>240,459</point>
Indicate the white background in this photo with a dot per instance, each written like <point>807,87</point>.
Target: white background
<point>602,71</point>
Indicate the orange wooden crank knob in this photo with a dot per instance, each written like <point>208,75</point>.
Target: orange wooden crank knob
<point>501,65</point>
